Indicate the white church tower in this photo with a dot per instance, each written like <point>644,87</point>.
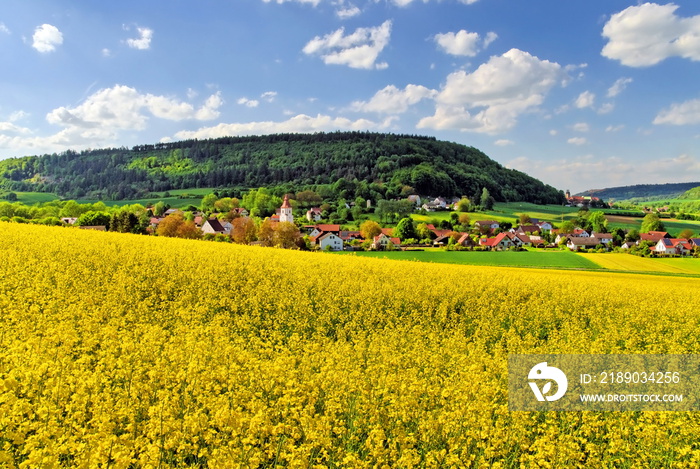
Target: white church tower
<point>286,211</point>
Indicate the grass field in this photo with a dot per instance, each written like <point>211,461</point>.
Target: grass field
<point>174,202</point>
<point>509,212</point>
<point>540,259</point>
<point>629,263</point>
<point>31,198</point>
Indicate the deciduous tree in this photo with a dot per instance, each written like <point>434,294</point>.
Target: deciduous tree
<point>405,229</point>
<point>369,229</point>
<point>266,233</point>
<point>244,230</point>
<point>287,235</point>
<point>651,222</point>
<point>169,225</point>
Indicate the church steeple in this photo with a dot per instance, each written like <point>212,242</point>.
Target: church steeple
<point>286,210</point>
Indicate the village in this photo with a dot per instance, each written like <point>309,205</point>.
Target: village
<point>309,231</point>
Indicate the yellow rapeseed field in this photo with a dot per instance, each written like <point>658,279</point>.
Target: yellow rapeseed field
<point>125,351</point>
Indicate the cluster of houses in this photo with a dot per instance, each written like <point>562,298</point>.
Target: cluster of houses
<point>431,205</point>
<point>580,201</point>
<point>665,245</point>
<point>332,237</point>
<point>580,239</point>
<point>207,225</point>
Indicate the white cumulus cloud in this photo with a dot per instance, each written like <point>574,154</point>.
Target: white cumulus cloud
<point>9,127</point>
<point>614,128</point>
<point>269,96</point>
<point>46,38</point>
<point>300,123</point>
<point>392,100</point>
<point>503,142</point>
<point>463,42</point>
<point>99,120</point>
<point>4,29</point>
<point>577,141</point>
<point>581,127</point>
<point>123,107</point>
<point>359,49</point>
<point>585,100</point>
<point>490,99</point>
<point>248,102</point>
<point>680,114</point>
<point>348,12</point>
<point>646,34</point>
<point>618,87</point>
<point>143,42</point>
<point>210,109</point>
<point>606,108</point>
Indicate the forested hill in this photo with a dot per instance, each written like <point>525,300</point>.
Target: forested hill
<point>358,162</point>
<point>643,191</point>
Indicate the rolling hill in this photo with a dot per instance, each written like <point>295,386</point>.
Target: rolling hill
<point>642,191</point>
<point>370,165</point>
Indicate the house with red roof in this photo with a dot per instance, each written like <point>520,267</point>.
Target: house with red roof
<point>654,236</point>
<point>313,214</point>
<point>323,228</point>
<point>500,242</point>
<point>465,240</point>
<point>672,247</point>
<point>382,241</point>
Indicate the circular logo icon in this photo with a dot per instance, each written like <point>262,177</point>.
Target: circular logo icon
<point>541,373</point>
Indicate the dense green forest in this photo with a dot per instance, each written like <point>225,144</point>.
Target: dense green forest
<point>369,165</point>
<point>643,192</point>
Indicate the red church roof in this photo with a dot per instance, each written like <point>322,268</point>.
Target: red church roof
<point>285,203</point>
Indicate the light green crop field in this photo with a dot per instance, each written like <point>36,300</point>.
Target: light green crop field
<point>508,212</point>
<point>630,263</point>
<point>538,259</point>
<point>174,202</point>
<point>31,198</point>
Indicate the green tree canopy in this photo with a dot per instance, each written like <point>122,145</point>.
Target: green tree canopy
<point>405,229</point>
<point>598,221</point>
<point>651,222</point>
<point>486,200</point>
<point>93,218</point>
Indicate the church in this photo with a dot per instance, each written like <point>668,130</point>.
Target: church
<point>286,211</point>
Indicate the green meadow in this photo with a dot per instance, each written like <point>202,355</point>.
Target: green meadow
<point>534,258</point>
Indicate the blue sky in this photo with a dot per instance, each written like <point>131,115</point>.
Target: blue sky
<point>585,94</point>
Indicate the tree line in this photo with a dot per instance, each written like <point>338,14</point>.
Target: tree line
<point>395,164</point>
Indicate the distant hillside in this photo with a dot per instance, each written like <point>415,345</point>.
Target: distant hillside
<point>642,191</point>
<point>691,194</point>
<point>369,165</point>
